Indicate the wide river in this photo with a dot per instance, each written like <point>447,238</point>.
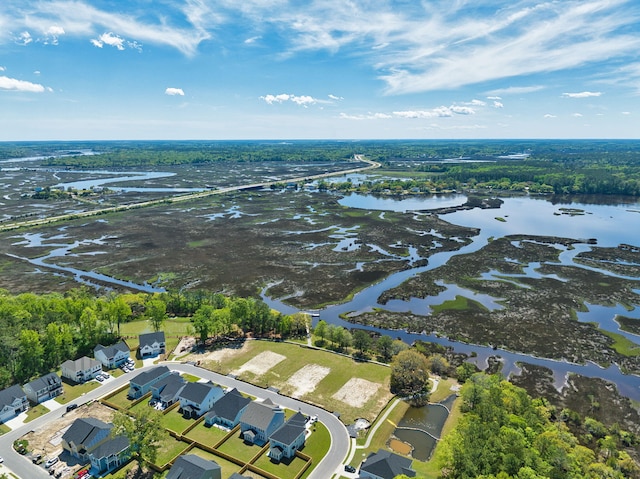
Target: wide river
<point>611,222</point>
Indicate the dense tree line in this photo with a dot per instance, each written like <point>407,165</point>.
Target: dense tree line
<point>504,433</point>
<point>39,332</point>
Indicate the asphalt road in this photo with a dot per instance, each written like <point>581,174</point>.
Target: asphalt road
<point>330,464</point>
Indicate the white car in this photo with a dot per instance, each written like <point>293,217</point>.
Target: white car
<point>1,459</point>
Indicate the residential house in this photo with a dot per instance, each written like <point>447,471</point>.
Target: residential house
<point>13,401</point>
<point>167,389</point>
<point>152,344</point>
<point>385,465</point>
<point>288,438</point>
<point>198,398</point>
<point>109,455</point>
<point>81,370</point>
<point>112,356</point>
<point>43,388</point>
<point>235,475</point>
<point>84,436</point>
<point>227,410</point>
<point>190,466</point>
<point>259,420</point>
<point>141,384</point>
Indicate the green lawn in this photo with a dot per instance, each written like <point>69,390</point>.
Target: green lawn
<point>173,328</point>
<point>71,392</point>
<point>317,445</point>
<point>36,411</point>
<point>342,370</point>
<point>281,470</point>
<point>174,421</point>
<point>120,399</point>
<point>169,449</point>
<point>206,435</point>
<point>236,447</point>
<point>4,429</point>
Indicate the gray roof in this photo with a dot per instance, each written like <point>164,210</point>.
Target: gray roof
<point>229,405</point>
<point>46,381</point>
<point>235,475</point>
<point>112,447</point>
<point>111,351</point>
<point>149,376</point>
<point>191,466</point>
<point>387,465</point>
<point>8,395</point>
<point>291,430</point>
<point>81,364</point>
<point>170,386</point>
<point>148,339</point>
<point>259,414</point>
<point>84,429</point>
<point>197,392</point>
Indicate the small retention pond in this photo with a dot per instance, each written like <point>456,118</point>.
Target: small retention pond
<point>421,427</point>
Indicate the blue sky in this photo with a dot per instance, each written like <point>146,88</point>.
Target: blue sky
<point>335,69</point>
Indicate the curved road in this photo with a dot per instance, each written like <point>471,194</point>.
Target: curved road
<point>23,468</point>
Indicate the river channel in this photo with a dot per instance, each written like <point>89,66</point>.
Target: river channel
<point>609,224</point>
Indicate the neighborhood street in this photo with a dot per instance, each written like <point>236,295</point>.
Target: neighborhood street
<point>22,467</point>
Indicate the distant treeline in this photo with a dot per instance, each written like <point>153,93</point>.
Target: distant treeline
<point>552,166</point>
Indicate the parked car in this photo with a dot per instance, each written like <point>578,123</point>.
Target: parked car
<point>50,462</point>
<point>1,459</point>
<point>71,407</point>
<point>99,378</point>
<point>37,458</point>
<point>349,468</point>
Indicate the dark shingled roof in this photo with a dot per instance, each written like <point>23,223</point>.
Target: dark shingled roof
<point>46,381</point>
<point>229,405</point>
<point>169,386</point>
<point>259,414</point>
<point>8,395</point>
<point>235,475</point>
<point>148,376</point>
<point>110,351</point>
<point>148,339</point>
<point>196,392</point>
<point>191,466</point>
<point>291,430</point>
<point>112,447</point>
<point>387,465</point>
<point>84,429</point>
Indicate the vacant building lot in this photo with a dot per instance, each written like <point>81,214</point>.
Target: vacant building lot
<point>335,382</point>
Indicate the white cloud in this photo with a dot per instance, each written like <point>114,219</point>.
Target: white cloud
<point>498,104</point>
<point>626,113</point>
<point>577,115</point>
<point>251,40</point>
<point>494,98</point>
<point>515,90</point>
<point>477,103</point>
<point>549,115</point>
<point>109,38</point>
<point>24,38</point>
<point>439,112</point>
<point>2,68</point>
<point>174,91</point>
<point>336,98</point>
<point>582,94</point>
<point>7,83</point>
<point>368,116</point>
<point>302,100</point>
<point>37,72</point>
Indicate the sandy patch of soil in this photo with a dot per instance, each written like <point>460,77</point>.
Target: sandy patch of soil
<point>306,379</point>
<point>48,439</point>
<point>221,354</point>
<point>356,392</point>
<point>261,363</point>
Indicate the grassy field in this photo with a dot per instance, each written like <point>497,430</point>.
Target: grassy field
<point>342,369</point>
<point>35,412</point>
<point>74,391</point>
<point>173,328</point>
